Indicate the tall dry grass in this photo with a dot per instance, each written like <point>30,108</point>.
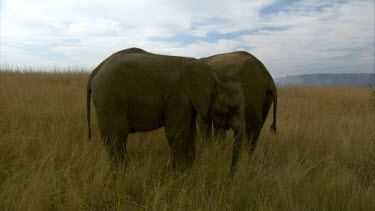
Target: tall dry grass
<point>323,157</point>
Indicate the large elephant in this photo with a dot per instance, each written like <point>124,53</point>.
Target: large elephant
<point>259,92</point>
<point>134,90</point>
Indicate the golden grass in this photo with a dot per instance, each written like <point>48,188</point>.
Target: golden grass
<point>323,157</point>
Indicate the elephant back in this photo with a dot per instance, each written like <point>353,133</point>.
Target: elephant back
<point>240,66</point>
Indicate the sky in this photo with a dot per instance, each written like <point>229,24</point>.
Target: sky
<point>289,37</point>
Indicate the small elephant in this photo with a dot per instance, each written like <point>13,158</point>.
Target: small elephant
<point>134,90</point>
<point>259,92</point>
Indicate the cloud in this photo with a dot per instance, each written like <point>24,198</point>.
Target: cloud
<point>290,38</point>
<point>334,37</point>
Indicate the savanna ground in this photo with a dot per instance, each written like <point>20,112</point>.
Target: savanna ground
<point>322,158</point>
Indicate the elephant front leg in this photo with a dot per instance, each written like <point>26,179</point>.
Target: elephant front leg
<point>182,144</point>
<point>205,128</point>
<point>180,129</point>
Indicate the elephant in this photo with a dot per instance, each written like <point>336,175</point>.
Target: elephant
<point>135,90</point>
<point>259,93</point>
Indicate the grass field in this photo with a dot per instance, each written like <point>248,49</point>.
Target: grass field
<point>323,157</point>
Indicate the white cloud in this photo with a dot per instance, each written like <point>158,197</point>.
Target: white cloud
<point>302,37</point>
<point>202,49</point>
<point>317,40</point>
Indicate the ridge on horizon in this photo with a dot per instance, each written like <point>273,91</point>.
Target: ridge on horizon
<point>334,79</point>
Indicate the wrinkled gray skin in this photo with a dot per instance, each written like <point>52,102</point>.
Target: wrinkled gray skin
<point>259,92</point>
<point>134,90</point>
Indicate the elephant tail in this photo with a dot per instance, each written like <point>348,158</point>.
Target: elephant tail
<point>88,107</point>
<point>88,96</point>
<point>273,126</point>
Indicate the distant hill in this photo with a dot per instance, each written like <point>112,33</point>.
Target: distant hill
<point>345,79</point>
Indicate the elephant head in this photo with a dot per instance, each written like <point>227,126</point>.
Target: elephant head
<point>216,97</point>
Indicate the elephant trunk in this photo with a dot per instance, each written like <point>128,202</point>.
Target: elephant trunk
<point>239,136</point>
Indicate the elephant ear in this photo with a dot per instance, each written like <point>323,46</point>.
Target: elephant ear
<point>199,85</point>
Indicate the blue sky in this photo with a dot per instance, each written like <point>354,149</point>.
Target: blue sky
<point>289,37</point>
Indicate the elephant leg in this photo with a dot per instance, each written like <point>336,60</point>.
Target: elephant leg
<point>114,132</point>
<point>254,124</point>
<point>253,136</point>
<point>219,133</point>
<point>258,121</point>
<point>180,129</point>
<point>116,147</point>
<point>205,128</point>
<point>266,108</point>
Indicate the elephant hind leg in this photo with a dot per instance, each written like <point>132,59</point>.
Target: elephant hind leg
<point>116,147</point>
<point>253,136</point>
<point>114,132</point>
<point>266,106</point>
<point>254,124</point>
